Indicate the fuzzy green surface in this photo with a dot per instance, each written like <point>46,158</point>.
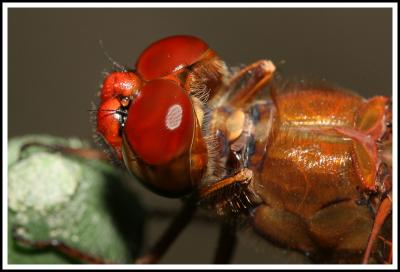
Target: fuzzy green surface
<point>80,202</point>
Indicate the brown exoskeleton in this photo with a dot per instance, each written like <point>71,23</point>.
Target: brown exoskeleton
<point>308,166</point>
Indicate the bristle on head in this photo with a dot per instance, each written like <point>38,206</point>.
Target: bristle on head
<point>99,140</point>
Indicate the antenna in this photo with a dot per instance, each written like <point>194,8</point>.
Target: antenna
<point>113,62</point>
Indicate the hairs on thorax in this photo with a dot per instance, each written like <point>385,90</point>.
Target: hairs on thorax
<point>198,87</point>
<point>303,83</point>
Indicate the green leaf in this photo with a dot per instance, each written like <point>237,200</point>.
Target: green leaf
<point>81,202</point>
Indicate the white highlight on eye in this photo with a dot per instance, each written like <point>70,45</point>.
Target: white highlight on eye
<point>174,117</point>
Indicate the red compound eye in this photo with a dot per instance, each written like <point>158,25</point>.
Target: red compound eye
<point>160,122</point>
<point>119,83</point>
<point>169,55</point>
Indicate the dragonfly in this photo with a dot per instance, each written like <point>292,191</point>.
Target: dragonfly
<point>307,165</point>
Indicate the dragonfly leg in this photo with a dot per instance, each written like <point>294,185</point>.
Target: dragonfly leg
<point>169,236</point>
<point>246,83</point>
<point>226,243</point>
<point>383,211</point>
<point>57,245</point>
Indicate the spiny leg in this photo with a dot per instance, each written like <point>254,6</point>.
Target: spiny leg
<point>244,176</point>
<point>59,246</point>
<point>226,243</point>
<point>169,236</point>
<point>384,210</point>
<point>247,82</point>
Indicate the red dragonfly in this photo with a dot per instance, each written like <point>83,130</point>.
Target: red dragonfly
<point>308,166</point>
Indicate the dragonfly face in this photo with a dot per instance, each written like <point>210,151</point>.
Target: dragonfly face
<point>148,116</point>
<point>304,164</point>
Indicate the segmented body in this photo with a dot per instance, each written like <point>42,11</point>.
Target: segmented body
<point>308,165</point>
<point>316,184</point>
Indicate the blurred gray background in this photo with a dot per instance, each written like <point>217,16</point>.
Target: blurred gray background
<point>56,66</point>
